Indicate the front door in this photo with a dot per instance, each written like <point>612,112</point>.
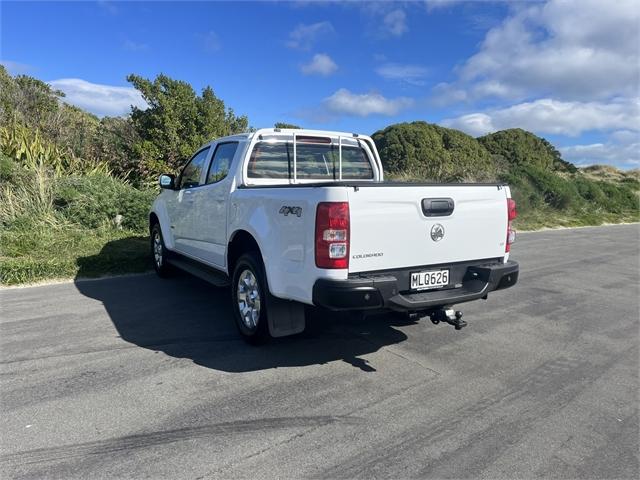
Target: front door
<point>208,230</point>
<point>183,210</point>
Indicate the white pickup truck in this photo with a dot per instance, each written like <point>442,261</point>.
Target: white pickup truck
<point>291,218</point>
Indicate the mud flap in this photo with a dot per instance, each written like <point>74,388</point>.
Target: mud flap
<point>285,317</point>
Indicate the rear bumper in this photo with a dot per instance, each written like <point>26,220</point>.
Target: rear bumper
<point>390,290</point>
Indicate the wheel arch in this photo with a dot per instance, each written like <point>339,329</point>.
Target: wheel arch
<point>159,216</point>
<point>153,219</point>
<point>240,242</point>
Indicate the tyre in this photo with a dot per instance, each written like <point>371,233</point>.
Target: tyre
<point>159,252</point>
<point>249,294</point>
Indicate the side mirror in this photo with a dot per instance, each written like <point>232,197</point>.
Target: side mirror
<point>167,181</point>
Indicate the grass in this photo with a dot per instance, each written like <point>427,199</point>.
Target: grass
<point>44,253</point>
<point>549,218</point>
<point>63,226</point>
<point>607,172</point>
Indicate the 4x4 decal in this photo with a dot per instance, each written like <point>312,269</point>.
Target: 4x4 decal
<point>297,211</point>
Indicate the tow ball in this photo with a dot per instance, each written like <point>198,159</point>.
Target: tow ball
<point>450,316</point>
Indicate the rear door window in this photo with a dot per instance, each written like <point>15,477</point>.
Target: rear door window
<point>221,161</point>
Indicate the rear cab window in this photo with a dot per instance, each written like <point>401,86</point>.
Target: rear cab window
<point>317,159</point>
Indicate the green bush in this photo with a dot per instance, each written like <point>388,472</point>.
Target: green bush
<point>95,200</point>
<point>524,192</point>
<point>427,151</point>
<point>590,191</point>
<point>545,198</point>
<point>7,168</point>
<point>519,147</point>
<point>558,192</point>
<point>620,198</point>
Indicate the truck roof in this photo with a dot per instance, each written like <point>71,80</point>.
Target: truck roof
<point>285,131</point>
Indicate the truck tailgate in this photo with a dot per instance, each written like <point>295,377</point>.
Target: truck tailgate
<point>390,229</point>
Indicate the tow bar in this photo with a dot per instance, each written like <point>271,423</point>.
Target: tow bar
<point>450,316</point>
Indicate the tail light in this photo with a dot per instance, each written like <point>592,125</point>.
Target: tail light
<point>332,235</point>
<point>511,215</point>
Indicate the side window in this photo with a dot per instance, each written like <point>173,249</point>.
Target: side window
<point>355,164</point>
<point>190,176</point>
<point>221,161</point>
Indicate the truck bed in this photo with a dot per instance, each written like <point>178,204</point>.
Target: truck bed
<point>364,183</point>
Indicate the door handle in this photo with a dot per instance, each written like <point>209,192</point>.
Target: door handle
<point>437,207</point>
<point>188,196</point>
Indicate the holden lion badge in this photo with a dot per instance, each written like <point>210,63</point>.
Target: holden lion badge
<point>437,232</point>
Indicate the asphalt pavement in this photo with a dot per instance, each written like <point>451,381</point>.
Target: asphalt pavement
<point>138,377</point>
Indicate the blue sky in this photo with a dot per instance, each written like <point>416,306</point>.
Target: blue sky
<point>568,71</point>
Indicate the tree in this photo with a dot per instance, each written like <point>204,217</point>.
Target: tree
<point>286,125</point>
<point>27,100</point>
<point>30,107</point>
<point>427,151</point>
<point>115,142</point>
<point>558,161</point>
<point>177,121</point>
<point>521,148</point>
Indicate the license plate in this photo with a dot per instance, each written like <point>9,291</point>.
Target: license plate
<point>429,279</point>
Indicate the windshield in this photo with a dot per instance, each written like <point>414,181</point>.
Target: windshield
<point>314,161</point>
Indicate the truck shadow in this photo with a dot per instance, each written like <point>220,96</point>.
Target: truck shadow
<point>185,317</point>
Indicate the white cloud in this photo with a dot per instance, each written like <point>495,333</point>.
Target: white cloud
<point>548,116</point>
<point>445,94</point>
<point>304,36</point>
<point>321,64</point>
<point>565,49</point>
<point>347,103</point>
<point>412,74</point>
<point>395,22</point>
<point>475,124</point>
<point>437,4</point>
<point>622,154</point>
<point>97,98</point>
<point>626,136</point>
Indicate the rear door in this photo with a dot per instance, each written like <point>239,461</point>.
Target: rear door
<point>395,226</point>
